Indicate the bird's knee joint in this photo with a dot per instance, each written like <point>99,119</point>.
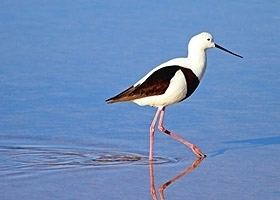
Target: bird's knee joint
<point>152,130</point>
<point>161,128</point>
<point>164,130</point>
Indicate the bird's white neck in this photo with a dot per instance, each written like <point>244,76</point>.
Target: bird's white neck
<point>198,61</point>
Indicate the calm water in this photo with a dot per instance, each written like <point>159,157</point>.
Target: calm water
<point>60,60</point>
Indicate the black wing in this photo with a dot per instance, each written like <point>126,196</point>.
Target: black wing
<point>156,84</point>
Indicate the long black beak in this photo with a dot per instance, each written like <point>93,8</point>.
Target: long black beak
<point>222,48</point>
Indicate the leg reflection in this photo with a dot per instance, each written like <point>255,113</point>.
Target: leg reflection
<point>152,181</point>
<point>164,186</point>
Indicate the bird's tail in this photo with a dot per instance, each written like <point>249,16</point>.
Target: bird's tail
<point>110,100</point>
<point>123,96</point>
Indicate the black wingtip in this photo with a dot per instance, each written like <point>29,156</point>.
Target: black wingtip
<point>109,101</point>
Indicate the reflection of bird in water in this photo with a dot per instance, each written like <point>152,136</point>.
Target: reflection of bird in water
<point>170,83</point>
<point>164,186</point>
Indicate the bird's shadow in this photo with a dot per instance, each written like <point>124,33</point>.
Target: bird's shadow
<point>247,143</point>
<point>160,192</point>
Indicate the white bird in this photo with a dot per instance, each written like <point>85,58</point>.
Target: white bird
<point>170,83</point>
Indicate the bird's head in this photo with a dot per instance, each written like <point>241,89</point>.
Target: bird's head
<point>203,41</point>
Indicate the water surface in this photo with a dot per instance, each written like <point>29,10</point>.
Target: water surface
<point>60,60</point>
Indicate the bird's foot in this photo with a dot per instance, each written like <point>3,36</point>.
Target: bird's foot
<point>198,152</point>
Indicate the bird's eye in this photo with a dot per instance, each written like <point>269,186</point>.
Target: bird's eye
<point>208,39</point>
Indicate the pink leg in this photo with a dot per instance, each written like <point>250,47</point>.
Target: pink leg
<point>177,137</point>
<point>152,134</point>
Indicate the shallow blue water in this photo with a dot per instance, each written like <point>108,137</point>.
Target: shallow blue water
<point>60,60</point>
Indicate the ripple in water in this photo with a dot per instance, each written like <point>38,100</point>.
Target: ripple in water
<point>22,160</point>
